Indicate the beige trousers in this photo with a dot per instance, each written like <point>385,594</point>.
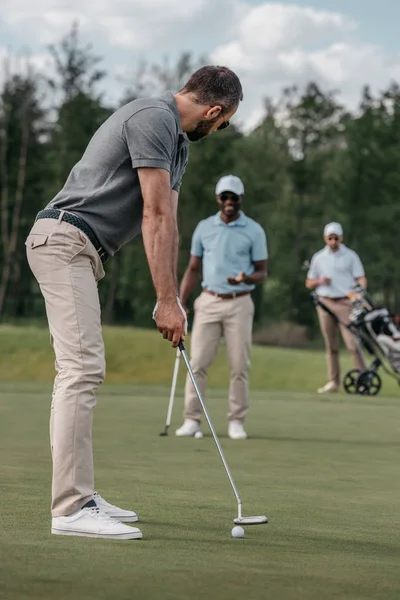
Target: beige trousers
<point>330,330</point>
<point>67,268</point>
<point>213,318</point>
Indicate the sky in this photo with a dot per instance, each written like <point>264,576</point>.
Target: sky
<point>340,45</point>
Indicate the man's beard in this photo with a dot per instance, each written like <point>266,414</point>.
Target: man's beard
<point>201,130</point>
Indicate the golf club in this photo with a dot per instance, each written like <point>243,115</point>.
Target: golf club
<point>172,394</point>
<point>240,520</point>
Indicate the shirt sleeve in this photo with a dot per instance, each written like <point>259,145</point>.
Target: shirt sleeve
<point>178,184</point>
<point>313,271</point>
<point>197,246</point>
<point>150,135</point>
<point>357,267</point>
<point>259,249</point>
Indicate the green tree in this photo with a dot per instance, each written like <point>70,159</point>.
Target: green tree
<point>371,189</point>
<point>262,160</point>
<point>78,109</point>
<point>314,127</point>
<point>22,175</point>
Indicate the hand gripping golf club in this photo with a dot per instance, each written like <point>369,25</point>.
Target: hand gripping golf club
<point>240,520</point>
<point>172,394</point>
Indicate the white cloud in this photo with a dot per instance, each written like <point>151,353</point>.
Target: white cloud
<point>270,45</point>
<point>138,24</point>
<point>280,45</point>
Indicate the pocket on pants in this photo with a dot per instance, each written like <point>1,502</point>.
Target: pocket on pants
<point>36,239</point>
<point>35,244</point>
<point>47,252</point>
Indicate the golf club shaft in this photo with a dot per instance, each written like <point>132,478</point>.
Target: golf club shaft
<point>173,387</point>
<point>216,440</point>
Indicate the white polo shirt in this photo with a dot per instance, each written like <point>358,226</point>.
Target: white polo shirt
<point>342,268</point>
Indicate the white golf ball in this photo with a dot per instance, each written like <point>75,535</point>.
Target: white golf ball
<point>198,435</point>
<point>238,532</point>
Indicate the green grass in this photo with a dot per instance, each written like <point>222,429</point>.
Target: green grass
<point>325,471</point>
<point>142,357</point>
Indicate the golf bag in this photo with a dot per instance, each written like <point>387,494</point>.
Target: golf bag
<point>377,330</point>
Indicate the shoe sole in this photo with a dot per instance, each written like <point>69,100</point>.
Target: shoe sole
<point>112,536</point>
<point>124,519</point>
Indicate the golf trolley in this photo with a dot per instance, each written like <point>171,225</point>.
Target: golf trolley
<point>378,332</point>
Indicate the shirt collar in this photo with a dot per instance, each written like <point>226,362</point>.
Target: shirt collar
<point>341,250</point>
<point>170,100</point>
<point>240,222</point>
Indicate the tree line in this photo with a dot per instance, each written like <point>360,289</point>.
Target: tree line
<point>308,162</point>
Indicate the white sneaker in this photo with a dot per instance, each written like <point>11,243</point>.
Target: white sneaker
<point>113,511</point>
<point>189,428</point>
<point>236,431</point>
<point>330,387</point>
<point>92,522</point>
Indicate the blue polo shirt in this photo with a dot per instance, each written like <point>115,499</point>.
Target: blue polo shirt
<point>342,267</point>
<point>227,249</point>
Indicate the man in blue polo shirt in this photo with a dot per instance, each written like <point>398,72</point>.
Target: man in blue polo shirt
<point>333,272</point>
<point>232,250</point>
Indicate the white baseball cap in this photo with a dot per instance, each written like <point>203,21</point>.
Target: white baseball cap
<point>230,183</point>
<point>333,228</point>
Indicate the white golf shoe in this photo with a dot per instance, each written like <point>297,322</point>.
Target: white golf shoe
<point>114,511</point>
<point>330,388</point>
<point>92,522</point>
<point>189,428</point>
<point>236,430</point>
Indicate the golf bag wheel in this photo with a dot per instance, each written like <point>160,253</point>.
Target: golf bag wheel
<point>350,381</point>
<point>369,383</point>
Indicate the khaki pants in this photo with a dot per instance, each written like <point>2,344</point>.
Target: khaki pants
<point>330,330</point>
<point>215,317</point>
<point>67,268</point>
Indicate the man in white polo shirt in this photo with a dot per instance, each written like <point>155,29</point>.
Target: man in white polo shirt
<point>333,272</point>
<point>231,249</point>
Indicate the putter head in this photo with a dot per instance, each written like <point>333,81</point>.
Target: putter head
<point>165,432</point>
<point>250,520</point>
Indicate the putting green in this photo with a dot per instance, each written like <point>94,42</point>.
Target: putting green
<point>323,469</point>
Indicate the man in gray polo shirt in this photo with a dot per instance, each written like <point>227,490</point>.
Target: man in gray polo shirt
<point>333,272</point>
<point>127,182</point>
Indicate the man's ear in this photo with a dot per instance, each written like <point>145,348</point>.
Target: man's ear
<point>213,112</point>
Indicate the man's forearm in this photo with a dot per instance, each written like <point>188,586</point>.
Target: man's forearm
<point>175,250</point>
<point>159,232</point>
<point>175,253</point>
<point>189,282</point>
<point>256,277</point>
<point>311,284</point>
<point>362,281</point>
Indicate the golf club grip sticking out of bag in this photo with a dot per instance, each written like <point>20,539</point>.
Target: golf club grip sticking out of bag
<point>240,519</point>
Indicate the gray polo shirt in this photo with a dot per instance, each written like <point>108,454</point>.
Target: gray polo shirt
<point>103,187</point>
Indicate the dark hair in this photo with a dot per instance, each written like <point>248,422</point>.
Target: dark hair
<point>212,85</point>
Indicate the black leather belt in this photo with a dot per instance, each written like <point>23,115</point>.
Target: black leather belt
<point>53,213</point>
